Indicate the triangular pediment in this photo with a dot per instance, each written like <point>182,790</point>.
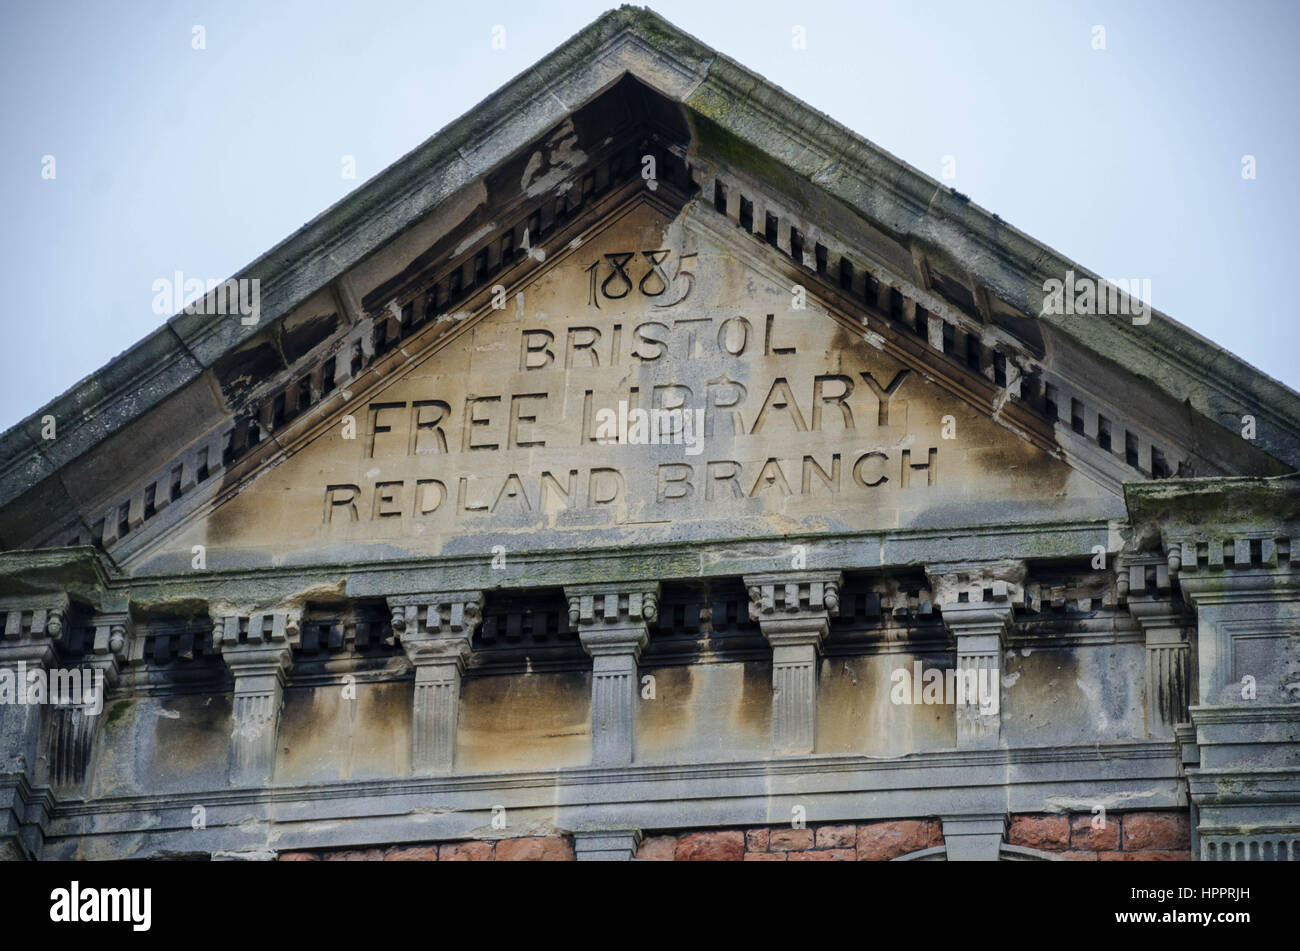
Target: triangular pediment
<point>381,311</point>
<point>646,429</point>
<point>532,425</point>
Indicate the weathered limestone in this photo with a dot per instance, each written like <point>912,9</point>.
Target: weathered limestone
<point>903,410</point>
<point>1229,543</point>
<point>29,639</point>
<point>974,838</point>
<point>114,637</point>
<point>794,610</point>
<point>258,651</point>
<point>978,603</point>
<point>1145,582</point>
<point>75,723</point>
<point>614,845</point>
<point>1248,719</point>
<point>611,620</point>
<point>436,631</point>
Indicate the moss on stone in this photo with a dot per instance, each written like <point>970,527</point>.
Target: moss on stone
<point>119,710</point>
<point>726,147</point>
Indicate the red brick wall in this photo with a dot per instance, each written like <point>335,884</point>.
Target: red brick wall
<point>842,842</point>
<point>1125,837</point>
<point>1131,837</point>
<point>550,848</point>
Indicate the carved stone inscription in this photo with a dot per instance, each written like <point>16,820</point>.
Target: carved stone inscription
<point>652,376</point>
<point>643,381</point>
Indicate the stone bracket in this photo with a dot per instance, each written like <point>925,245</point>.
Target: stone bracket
<point>978,603</point>
<point>29,639</point>
<point>974,838</point>
<point>630,603</point>
<point>1148,576</point>
<point>113,645</point>
<point>613,621</point>
<point>793,610</point>
<point>998,584</point>
<point>258,651</point>
<point>448,612</point>
<point>792,593</point>
<point>34,622</point>
<point>612,845</point>
<point>437,634</point>
<point>1168,655</point>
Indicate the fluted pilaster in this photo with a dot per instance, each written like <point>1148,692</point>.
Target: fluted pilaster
<point>613,621</point>
<point>437,633</point>
<point>258,651</point>
<point>794,609</point>
<point>978,603</point>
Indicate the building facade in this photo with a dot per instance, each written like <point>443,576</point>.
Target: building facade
<point>648,466</point>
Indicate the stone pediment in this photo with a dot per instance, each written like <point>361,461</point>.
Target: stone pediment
<point>661,377</point>
<point>381,311</point>
<point>802,511</point>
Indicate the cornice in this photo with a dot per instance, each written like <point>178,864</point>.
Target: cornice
<point>793,768</point>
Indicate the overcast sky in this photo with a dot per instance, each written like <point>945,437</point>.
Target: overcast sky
<point>1127,159</point>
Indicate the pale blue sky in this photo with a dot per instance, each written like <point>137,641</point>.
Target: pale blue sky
<point>168,158</point>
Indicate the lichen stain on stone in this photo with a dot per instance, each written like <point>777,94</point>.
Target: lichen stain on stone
<point>118,710</point>
<point>169,604</point>
<point>105,849</point>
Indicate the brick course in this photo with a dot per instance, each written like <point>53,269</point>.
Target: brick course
<point>726,846</point>
<point>1146,836</point>
<point>1045,833</point>
<point>1156,830</point>
<point>882,841</point>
